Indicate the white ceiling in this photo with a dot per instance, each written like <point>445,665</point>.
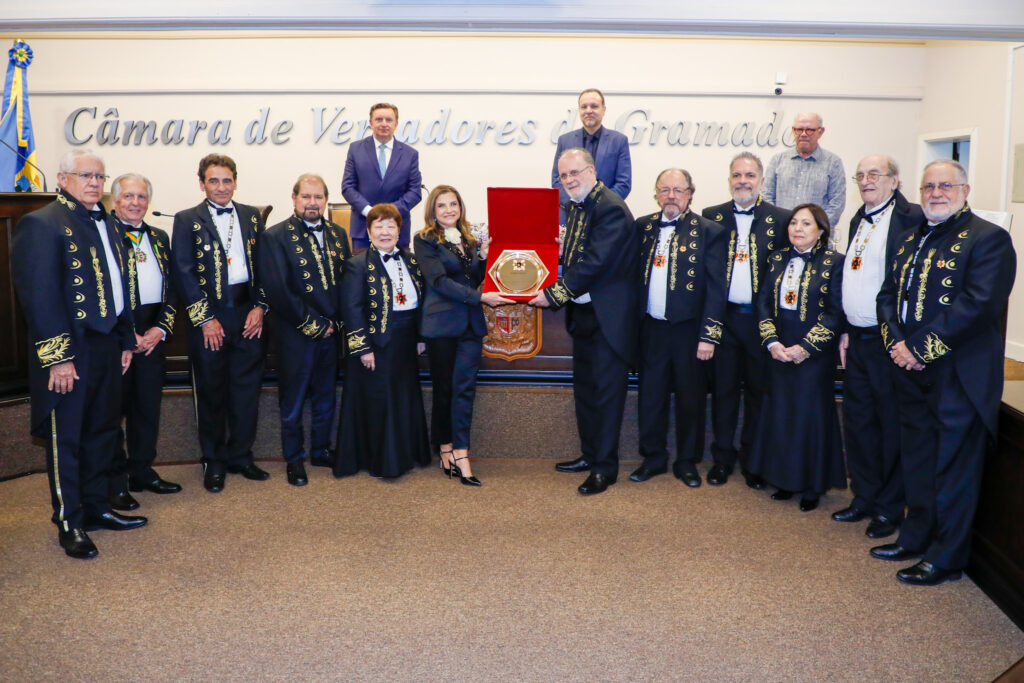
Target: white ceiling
<point>917,19</point>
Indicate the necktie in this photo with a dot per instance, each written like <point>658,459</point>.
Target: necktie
<point>382,161</point>
<point>96,214</point>
<point>220,211</point>
<point>388,257</point>
<point>319,227</point>
<point>740,212</point>
<point>669,224</point>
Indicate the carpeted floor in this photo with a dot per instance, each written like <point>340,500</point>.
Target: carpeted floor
<point>425,579</point>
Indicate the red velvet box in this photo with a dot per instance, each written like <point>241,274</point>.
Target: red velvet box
<point>522,218</point>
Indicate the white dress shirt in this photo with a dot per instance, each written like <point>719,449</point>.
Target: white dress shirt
<point>151,280</point>
<point>113,267</point>
<point>861,286</point>
<point>740,286</point>
<point>238,272</point>
<point>319,234</point>
<point>408,288</point>
<point>657,290</point>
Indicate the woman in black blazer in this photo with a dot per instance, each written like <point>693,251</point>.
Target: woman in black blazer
<point>800,314</point>
<point>453,322</point>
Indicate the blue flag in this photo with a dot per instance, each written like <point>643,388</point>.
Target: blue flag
<point>16,127</point>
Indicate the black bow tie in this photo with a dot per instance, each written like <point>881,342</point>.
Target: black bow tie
<point>669,224</point>
<point>870,217</point>
<point>220,211</point>
<point>388,257</point>
<point>144,229</point>
<point>95,214</point>
<point>740,212</point>
<point>319,227</point>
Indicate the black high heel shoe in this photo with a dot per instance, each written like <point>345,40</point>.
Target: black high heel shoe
<point>468,481</point>
<point>446,470</point>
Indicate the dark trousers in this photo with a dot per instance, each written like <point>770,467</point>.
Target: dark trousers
<point>943,452</point>
<point>142,392</point>
<point>871,415</point>
<point>306,368</point>
<point>453,366</point>
<point>226,385</point>
<point>83,433</point>
<point>668,364</point>
<point>739,361</point>
<point>600,379</point>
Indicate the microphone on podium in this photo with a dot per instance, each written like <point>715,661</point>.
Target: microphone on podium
<point>26,160</point>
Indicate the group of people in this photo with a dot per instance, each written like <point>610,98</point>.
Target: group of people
<point>746,300</point>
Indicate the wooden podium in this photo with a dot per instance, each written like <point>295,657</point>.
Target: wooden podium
<point>13,332</point>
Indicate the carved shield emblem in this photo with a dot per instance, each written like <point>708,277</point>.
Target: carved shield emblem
<point>513,332</point>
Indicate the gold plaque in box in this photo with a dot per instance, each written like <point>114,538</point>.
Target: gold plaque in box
<point>518,271</point>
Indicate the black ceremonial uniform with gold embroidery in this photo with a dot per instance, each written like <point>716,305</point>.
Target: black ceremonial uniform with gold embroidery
<point>798,445</point>
<point>143,384</point>
<point>302,281</point>
<point>226,418</point>
<point>62,279</point>
<point>693,259</point>
<point>383,425</point>
<point>740,360</point>
<point>871,416</point>
<point>601,260</point>
<point>943,297</point>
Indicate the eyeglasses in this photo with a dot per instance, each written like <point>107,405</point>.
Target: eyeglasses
<point>575,173</point>
<point>802,131</point>
<point>666,191</point>
<point>90,176</point>
<point>871,176</point>
<point>929,188</point>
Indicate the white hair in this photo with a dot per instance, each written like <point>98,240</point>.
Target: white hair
<point>115,187</point>
<point>67,162</point>
<point>961,172</point>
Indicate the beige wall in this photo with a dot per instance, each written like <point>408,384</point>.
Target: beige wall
<point>874,96</point>
<point>493,77</point>
<point>1015,331</point>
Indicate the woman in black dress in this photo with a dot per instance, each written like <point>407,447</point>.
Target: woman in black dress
<point>453,323</point>
<point>383,426</point>
<point>800,310</point>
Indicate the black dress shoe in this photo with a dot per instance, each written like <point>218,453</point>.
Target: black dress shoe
<point>719,474</point>
<point>894,552</point>
<point>849,514</point>
<point>580,464</point>
<point>596,483</point>
<point>77,544</point>
<point>687,473</point>
<point>297,473</point>
<point>881,526</point>
<point>250,471</point>
<point>643,473</point>
<point>157,485</point>
<point>113,522</point>
<point>782,494</point>
<point>322,458</point>
<point>754,481</point>
<point>122,500</point>
<point>213,478</point>
<point>927,574</point>
<point>808,504</point>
